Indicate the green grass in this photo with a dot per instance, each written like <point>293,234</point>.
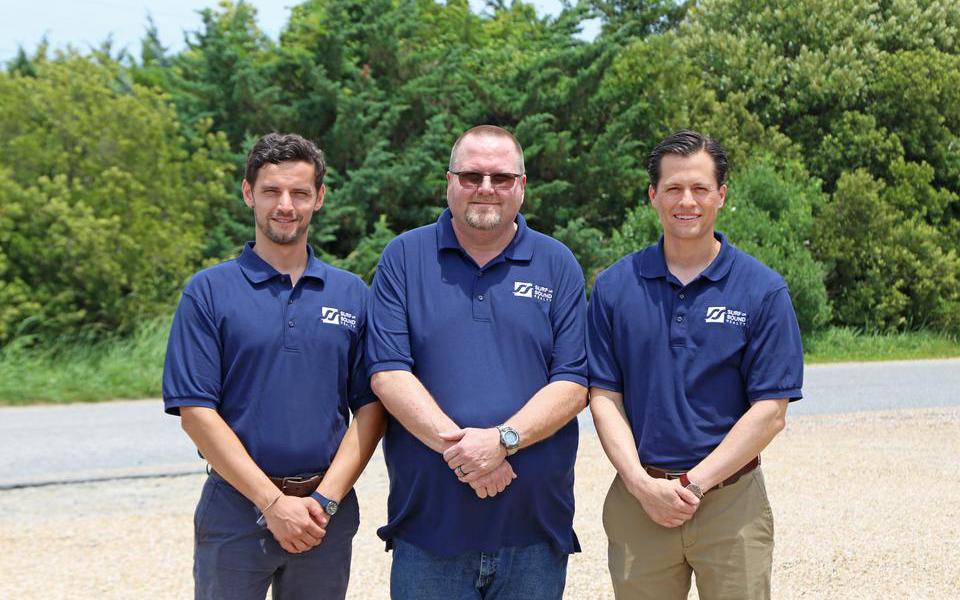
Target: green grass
<point>132,368</point>
<point>842,345</point>
<point>129,368</point>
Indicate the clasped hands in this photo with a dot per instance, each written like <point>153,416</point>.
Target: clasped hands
<point>298,524</point>
<point>478,458</point>
<point>666,501</point>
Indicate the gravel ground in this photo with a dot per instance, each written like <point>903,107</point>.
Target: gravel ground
<point>866,506</point>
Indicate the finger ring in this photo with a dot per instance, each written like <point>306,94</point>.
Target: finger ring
<point>459,471</point>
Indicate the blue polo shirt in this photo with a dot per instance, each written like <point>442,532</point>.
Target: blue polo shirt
<point>482,341</point>
<point>282,364</point>
<point>689,360</point>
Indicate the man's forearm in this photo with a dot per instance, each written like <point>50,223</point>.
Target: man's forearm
<point>409,402</point>
<point>478,451</point>
<point>355,451</point>
<point>748,437</point>
<point>547,411</point>
<point>666,502</point>
<point>221,447</point>
<point>615,435</point>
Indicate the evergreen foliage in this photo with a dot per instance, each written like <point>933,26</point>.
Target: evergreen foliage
<point>119,175</point>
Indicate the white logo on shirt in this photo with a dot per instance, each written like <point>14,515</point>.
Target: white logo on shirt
<point>336,316</point>
<point>722,314</point>
<point>525,289</point>
<point>716,314</point>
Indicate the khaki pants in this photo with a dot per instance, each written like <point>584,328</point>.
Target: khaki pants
<point>728,544</point>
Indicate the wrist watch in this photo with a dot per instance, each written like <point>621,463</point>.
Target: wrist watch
<point>685,482</point>
<point>329,506</point>
<point>509,438</point>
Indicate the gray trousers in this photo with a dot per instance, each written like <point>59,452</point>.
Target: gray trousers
<point>237,559</point>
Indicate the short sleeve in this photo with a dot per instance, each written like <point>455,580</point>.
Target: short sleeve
<point>358,388</point>
<point>191,369</point>
<point>388,335</point>
<point>772,364</point>
<point>568,313</point>
<point>602,362</point>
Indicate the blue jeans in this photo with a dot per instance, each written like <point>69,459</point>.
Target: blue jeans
<point>237,559</point>
<point>537,572</point>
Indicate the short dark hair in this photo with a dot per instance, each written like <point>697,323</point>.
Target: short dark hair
<point>276,148</point>
<point>685,143</point>
<point>488,130</point>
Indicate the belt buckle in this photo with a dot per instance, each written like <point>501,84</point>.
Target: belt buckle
<point>673,474</point>
<point>290,481</point>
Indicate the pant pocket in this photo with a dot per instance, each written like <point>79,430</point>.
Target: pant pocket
<point>206,497</point>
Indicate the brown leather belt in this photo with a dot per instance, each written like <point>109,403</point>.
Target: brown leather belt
<point>662,474</point>
<point>299,485</point>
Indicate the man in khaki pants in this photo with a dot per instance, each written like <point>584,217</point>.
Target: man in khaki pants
<point>694,353</point>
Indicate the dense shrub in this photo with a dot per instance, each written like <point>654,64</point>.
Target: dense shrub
<point>102,204</point>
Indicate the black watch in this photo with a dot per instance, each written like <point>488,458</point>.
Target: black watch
<point>329,506</point>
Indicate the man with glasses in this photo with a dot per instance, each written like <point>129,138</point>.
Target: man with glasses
<point>475,347</point>
<point>694,354</point>
<point>264,366</point>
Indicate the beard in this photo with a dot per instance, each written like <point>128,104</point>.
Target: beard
<point>278,236</point>
<point>484,218</point>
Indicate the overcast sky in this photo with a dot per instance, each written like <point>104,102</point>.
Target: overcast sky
<point>86,23</point>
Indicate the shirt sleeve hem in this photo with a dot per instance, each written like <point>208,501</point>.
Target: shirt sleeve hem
<point>390,365</point>
<point>791,394</point>
<point>606,385</point>
<point>363,401</point>
<point>571,377</point>
<point>172,407</point>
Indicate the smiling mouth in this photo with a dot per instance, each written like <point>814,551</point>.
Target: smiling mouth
<point>686,217</point>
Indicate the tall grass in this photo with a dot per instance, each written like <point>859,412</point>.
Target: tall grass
<point>123,368</point>
<point>132,368</point>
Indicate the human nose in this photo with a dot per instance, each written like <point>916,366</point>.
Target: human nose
<point>486,185</point>
<point>285,201</point>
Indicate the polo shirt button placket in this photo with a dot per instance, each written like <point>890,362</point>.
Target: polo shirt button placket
<point>678,332</point>
<point>289,339</point>
<point>481,304</point>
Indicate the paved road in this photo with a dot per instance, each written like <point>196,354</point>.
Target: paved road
<point>82,442</point>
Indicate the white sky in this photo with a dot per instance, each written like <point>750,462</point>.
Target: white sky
<point>86,23</point>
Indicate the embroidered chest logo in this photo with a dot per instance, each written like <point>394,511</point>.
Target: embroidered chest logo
<point>336,316</point>
<point>525,289</point>
<point>722,314</point>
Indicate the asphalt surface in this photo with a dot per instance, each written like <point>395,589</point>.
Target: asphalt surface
<point>47,445</point>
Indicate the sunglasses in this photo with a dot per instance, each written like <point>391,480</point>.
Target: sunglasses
<point>498,181</point>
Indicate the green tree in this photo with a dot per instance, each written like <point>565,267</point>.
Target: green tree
<point>885,270</point>
<point>102,202</point>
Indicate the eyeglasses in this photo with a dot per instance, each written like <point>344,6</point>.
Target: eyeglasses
<point>498,181</point>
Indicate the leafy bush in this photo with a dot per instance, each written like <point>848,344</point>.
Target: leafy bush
<point>102,204</point>
<point>886,270</point>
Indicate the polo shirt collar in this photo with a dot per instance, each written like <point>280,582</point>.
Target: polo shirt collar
<point>258,270</point>
<point>654,263</point>
<point>519,248</point>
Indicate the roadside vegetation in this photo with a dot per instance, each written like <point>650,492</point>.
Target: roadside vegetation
<point>131,368</point>
<point>120,169</point>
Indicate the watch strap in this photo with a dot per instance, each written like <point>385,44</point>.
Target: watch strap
<point>329,506</point>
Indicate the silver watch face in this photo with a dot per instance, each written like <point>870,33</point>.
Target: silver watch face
<point>696,490</point>
<point>331,507</point>
<point>510,438</point>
